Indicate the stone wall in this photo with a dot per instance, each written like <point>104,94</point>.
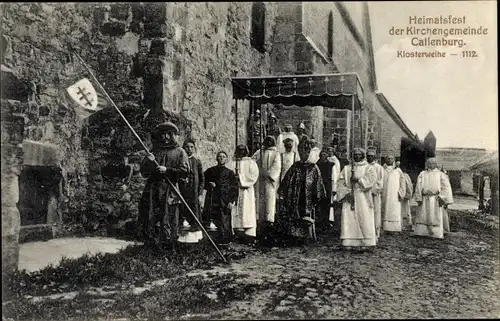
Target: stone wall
<point>373,131</point>
<point>12,157</point>
<point>154,64</point>
<point>312,117</point>
<point>218,48</point>
<point>337,130</point>
<point>34,35</point>
<point>161,61</point>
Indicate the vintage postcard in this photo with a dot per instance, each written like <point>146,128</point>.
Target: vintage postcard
<point>249,160</point>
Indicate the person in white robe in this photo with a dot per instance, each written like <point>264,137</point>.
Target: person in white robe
<point>335,177</point>
<point>288,158</point>
<point>446,218</point>
<point>244,216</point>
<point>315,151</point>
<point>432,192</point>
<point>377,189</point>
<point>358,224</point>
<point>406,202</point>
<point>269,161</point>
<point>392,195</point>
<point>288,133</point>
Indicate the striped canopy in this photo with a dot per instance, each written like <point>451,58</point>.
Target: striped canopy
<point>328,90</point>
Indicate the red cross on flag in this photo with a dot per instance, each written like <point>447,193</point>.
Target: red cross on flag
<point>84,98</point>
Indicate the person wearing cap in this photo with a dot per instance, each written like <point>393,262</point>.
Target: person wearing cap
<point>269,162</point>
<point>244,213</point>
<point>300,193</point>
<point>288,133</point>
<point>358,224</point>
<point>159,202</point>
<point>392,196</point>
<point>432,193</point>
<point>377,189</point>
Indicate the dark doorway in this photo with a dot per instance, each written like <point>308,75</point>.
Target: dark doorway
<point>38,194</point>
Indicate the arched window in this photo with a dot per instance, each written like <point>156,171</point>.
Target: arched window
<point>330,35</point>
<point>258,30</point>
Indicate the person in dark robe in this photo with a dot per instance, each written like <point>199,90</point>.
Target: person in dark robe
<point>191,189</point>
<point>222,191</point>
<point>300,192</point>
<point>325,165</point>
<point>159,202</point>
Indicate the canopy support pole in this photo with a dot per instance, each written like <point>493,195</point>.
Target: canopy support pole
<point>236,131</point>
<point>352,152</point>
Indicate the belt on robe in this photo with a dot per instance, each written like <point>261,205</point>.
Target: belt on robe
<point>430,194</point>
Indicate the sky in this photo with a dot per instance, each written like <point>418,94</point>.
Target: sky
<point>455,97</point>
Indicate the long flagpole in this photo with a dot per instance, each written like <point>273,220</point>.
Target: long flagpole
<point>146,149</point>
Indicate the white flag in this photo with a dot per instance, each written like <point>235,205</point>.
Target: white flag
<point>84,95</point>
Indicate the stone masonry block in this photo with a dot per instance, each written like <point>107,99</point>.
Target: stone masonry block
<point>101,15</point>
<point>10,190</point>
<point>114,28</point>
<point>120,11</point>
<point>155,12</point>
<point>158,47</point>
<point>155,30</point>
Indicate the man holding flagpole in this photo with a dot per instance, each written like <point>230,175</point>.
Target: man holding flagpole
<point>161,197</point>
<point>159,202</point>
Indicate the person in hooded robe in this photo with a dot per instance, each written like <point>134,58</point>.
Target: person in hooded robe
<point>432,192</point>
<point>393,193</point>
<point>288,158</point>
<point>244,212</point>
<point>406,202</point>
<point>159,202</point>
<point>191,189</point>
<point>221,185</point>
<point>315,151</point>
<point>288,133</point>
<point>358,224</point>
<point>269,161</point>
<point>377,189</point>
<point>300,192</point>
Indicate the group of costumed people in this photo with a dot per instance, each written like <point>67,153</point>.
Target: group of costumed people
<point>282,192</point>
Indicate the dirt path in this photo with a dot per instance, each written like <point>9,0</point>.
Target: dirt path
<point>406,277</point>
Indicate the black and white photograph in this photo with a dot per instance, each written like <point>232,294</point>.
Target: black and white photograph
<point>249,160</point>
